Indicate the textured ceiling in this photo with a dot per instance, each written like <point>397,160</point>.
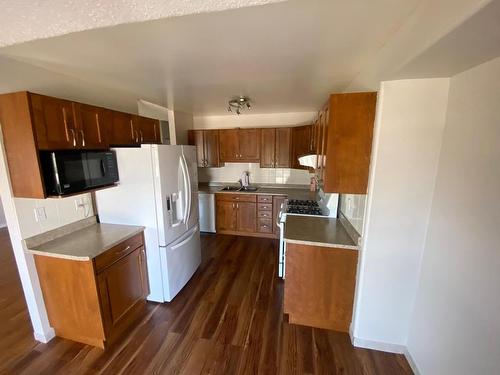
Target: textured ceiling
<point>24,20</point>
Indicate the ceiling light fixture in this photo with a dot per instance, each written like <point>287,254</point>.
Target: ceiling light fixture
<point>237,104</point>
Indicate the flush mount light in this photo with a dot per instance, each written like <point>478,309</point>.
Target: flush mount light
<point>237,104</point>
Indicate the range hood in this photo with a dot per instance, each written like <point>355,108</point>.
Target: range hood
<point>311,161</point>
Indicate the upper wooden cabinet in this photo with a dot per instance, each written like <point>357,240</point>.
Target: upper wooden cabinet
<point>239,145</point>
<point>302,144</point>
<point>122,132</point>
<point>207,146</point>
<point>347,141</point>
<point>54,122</point>
<point>91,126</point>
<point>276,148</point>
<point>146,129</point>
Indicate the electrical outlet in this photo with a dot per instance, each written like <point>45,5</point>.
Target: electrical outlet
<point>40,214</point>
<point>79,203</point>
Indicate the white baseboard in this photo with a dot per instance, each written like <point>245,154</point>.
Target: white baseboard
<point>411,362</point>
<point>44,337</point>
<point>378,345</point>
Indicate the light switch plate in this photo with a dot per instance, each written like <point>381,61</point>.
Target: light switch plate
<point>40,214</point>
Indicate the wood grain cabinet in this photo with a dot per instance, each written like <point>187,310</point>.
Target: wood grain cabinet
<point>91,131</point>
<point>302,144</point>
<point>207,147</point>
<point>347,123</point>
<point>319,286</point>
<point>275,149</point>
<point>146,129</point>
<point>239,145</point>
<point>94,301</point>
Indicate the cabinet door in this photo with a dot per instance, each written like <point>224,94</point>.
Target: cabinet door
<point>301,144</point>
<point>229,145</point>
<point>267,148</point>
<point>54,122</point>
<point>277,201</point>
<point>211,146</point>
<point>90,127</point>
<point>148,129</point>
<point>283,149</point>
<point>195,138</point>
<point>249,145</point>
<point>122,286</point>
<point>226,215</point>
<point>122,132</point>
<point>246,217</point>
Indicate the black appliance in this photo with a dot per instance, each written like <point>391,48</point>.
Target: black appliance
<point>69,172</point>
<point>303,207</point>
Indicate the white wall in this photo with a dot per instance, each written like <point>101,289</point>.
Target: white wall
<point>455,328</point>
<point>248,120</point>
<point>21,221</point>
<point>408,129</point>
<point>182,122</point>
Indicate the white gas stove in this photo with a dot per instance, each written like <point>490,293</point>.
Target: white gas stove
<point>327,206</point>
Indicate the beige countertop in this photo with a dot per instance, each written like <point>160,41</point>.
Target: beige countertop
<point>84,243</point>
<point>317,231</point>
<point>291,191</point>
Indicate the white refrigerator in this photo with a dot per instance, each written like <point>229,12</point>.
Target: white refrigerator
<point>158,189</point>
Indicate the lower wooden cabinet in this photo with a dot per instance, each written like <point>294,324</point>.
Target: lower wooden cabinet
<point>319,286</point>
<point>94,301</point>
<point>248,214</point>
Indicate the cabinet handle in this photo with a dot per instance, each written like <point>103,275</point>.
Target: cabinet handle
<point>83,137</point>
<point>136,136</point>
<point>233,206</point>
<point>142,138</point>
<point>123,250</point>
<point>98,127</point>
<point>74,136</point>
<point>237,206</point>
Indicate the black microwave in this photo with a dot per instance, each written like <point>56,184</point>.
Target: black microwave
<point>69,172</point>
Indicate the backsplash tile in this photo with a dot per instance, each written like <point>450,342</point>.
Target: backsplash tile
<point>231,173</point>
<point>352,207</point>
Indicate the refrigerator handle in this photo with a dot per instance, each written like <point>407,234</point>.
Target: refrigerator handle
<point>190,196</point>
<point>186,191</point>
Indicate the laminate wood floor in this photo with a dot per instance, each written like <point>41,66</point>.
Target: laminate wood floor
<point>227,320</point>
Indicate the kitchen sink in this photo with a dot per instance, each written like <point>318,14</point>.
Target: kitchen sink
<point>237,188</point>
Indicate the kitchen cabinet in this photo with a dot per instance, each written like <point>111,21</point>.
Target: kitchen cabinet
<point>347,140</point>
<point>94,301</point>
<point>122,132</point>
<point>226,216</point>
<point>246,217</point>
<point>275,148</point>
<point>239,145</point>
<point>91,126</point>
<point>302,144</point>
<point>146,129</point>
<point>54,122</point>
<point>319,286</point>
<point>207,146</point>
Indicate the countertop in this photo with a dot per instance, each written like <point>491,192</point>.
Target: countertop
<point>291,191</point>
<point>83,243</point>
<point>317,231</point>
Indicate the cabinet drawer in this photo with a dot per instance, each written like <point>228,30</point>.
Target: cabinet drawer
<point>265,207</point>
<point>265,214</point>
<point>117,252</point>
<point>265,225</point>
<point>265,199</point>
<point>236,197</point>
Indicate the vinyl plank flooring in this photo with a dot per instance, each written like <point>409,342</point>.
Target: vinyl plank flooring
<point>227,320</point>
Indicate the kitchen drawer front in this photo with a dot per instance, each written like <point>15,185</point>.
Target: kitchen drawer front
<point>117,252</point>
<point>265,206</point>
<point>265,214</point>
<point>237,197</point>
<point>265,225</point>
<point>265,199</point>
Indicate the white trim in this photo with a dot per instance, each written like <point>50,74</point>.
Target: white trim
<point>45,337</point>
<point>378,345</point>
<point>411,362</point>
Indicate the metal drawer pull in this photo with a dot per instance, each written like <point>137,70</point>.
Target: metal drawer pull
<point>122,251</point>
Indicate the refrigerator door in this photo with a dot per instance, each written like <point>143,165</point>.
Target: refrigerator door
<point>189,153</point>
<point>171,192</point>
<point>180,259</point>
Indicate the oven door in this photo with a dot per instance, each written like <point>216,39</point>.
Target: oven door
<point>102,168</point>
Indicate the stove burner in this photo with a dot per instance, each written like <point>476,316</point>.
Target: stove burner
<point>303,207</point>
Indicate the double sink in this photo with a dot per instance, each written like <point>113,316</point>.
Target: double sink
<point>245,189</point>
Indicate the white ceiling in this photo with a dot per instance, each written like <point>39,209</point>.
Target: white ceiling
<point>286,56</point>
